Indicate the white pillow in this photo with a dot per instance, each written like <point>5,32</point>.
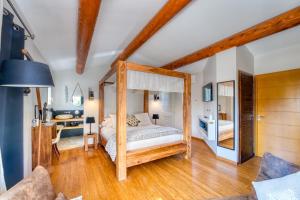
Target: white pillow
<point>144,119</point>
<point>284,188</point>
<point>107,122</point>
<point>114,120</point>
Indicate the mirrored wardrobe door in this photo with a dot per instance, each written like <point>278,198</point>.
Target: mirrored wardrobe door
<point>226,117</point>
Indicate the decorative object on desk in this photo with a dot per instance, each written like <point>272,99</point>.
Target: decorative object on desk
<point>91,94</point>
<point>90,120</point>
<point>155,117</point>
<point>156,97</point>
<point>74,123</point>
<point>45,110</point>
<point>77,113</point>
<point>77,97</point>
<point>24,73</point>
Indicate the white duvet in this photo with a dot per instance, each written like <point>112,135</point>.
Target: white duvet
<point>141,134</point>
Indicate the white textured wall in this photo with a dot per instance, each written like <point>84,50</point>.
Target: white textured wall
<point>210,108</point>
<point>244,60</point>
<point>196,103</point>
<point>135,100</point>
<point>163,107</point>
<point>279,60</point>
<point>227,71</point>
<point>29,102</point>
<point>69,78</point>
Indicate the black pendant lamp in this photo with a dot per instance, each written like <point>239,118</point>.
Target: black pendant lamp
<point>24,73</point>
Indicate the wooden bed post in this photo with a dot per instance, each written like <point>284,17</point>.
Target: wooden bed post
<point>101,103</point>
<point>187,115</point>
<point>146,101</point>
<point>121,121</point>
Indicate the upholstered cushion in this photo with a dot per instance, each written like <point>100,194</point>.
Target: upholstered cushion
<point>132,121</point>
<point>284,188</point>
<point>274,167</point>
<point>37,186</point>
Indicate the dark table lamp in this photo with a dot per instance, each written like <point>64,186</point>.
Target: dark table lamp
<point>90,120</point>
<point>155,117</point>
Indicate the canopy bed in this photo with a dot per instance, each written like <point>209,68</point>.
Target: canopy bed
<point>157,141</point>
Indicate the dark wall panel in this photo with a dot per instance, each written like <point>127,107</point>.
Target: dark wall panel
<point>11,106</point>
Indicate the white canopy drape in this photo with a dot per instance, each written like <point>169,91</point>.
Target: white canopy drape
<point>154,82</point>
<point>2,181</point>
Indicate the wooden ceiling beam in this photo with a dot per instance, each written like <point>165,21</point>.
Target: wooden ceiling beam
<point>276,24</point>
<point>87,16</point>
<point>164,15</point>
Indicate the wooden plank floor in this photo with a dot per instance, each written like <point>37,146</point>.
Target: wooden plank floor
<point>92,174</point>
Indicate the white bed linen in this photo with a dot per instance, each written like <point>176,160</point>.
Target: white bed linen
<point>225,129</point>
<point>139,144</point>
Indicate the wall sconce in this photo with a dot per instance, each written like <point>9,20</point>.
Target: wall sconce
<point>156,97</point>
<point>91,94</point>
<point>26,91</point>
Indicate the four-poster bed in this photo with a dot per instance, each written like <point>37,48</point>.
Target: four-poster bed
<point>127,158</point>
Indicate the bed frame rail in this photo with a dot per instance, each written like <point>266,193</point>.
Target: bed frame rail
<point>141,156</point>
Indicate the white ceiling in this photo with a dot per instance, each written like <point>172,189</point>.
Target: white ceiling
<point>201,23</point>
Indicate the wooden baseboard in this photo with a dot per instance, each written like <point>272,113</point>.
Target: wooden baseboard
<point>199,139</point>
<point>227,160</point>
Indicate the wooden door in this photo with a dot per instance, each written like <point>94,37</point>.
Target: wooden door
<point>246,116</point>
<point>278,114</point>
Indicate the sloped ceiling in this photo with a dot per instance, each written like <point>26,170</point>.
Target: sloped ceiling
<point>201,23</point>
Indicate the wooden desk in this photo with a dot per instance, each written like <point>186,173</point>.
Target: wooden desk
<point>86,139</point>
<point>48,131</point>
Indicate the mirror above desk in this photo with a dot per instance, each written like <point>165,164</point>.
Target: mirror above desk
<point>226,114</point>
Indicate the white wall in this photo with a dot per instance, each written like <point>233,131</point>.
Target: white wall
<point>90,79</point>
<point>69,78</point>
<point>245,60</point>
<point>29,102</point>
<point>163,107</point>
<point>279,60</point>
<point>196,103</point>
<point>229,62</point>
<point>227,71</point>
<point>210,108</point>
<point>135,100</point>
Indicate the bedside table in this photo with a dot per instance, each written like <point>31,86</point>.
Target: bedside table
<point>86,139</point>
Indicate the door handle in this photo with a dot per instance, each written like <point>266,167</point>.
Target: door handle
<point>260,117</point>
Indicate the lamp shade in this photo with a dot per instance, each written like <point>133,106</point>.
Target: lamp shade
<point>90,120</point>
<point>155,116</point>
<point>24,73</point>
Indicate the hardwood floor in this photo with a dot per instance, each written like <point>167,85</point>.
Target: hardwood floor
<point>228,143</point>
<point>92,175</point>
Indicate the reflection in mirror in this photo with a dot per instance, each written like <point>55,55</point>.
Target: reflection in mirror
<point>77,96</point>
<point>226,114</point>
